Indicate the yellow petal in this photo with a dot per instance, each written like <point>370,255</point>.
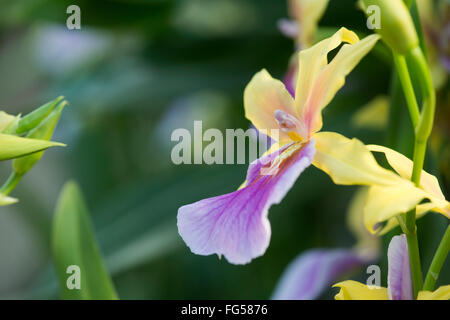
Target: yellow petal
<point>311,61</point>
<point>385,202</point>
<point>429,183</point>
<point>307,13</point>
<point>349,162</point>
<point>331,78</point>
<point>262,96</point>
<point>442,293</point>
<point>353,290</point>
<point>421,210</point>
<point>403,166</point>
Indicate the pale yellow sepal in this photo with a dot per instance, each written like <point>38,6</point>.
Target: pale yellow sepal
<point>332,78</point>
<point>442,293</point>
<point>311,61</point>
<point>403,166</point>
<point>318,81</point>
<point>428,183</point>
<point>349,162</point>
<point>353,290</point>
<point>385,202</point>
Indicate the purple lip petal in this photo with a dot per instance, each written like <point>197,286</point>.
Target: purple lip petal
<point>235,225</point>
<point>310,273</point>
<point>399,273</point>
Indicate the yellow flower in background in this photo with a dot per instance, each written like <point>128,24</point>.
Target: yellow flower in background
<point>373,115</point>
<point>368,245</point>
<point>353,290</point>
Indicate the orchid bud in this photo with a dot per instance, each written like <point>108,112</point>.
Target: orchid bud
<point>396,25</point>
<point>43,131</point>
<point>35,117</point>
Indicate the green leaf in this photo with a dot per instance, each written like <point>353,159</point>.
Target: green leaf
<point>14,147</point>
<point>74,244</point>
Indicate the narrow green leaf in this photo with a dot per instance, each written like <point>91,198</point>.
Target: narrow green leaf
<point>74,247</point>
<point>13,147</point>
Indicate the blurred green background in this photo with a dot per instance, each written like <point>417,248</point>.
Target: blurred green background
<point>137,70</point>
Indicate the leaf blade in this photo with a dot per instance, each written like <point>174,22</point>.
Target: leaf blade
<point>74,243</point>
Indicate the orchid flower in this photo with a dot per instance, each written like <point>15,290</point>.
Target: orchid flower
<point>313,271</point>
<point>236,224</point>
<point>399,285</point>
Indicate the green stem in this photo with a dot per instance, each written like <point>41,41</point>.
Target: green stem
<point>438,261</point>
<point>420,148</point>
<point>405,79</point>
<point>419,154</point>
<point>11,183</point>
<point>414,256</point>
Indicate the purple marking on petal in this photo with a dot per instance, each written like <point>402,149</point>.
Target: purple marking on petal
<point>310,273</point>
<point>399,273</point>
<point>235,224</point>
